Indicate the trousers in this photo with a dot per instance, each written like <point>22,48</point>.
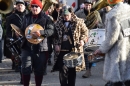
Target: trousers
<point>66,78</point>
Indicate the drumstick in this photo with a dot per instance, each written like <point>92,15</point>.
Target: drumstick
<point>102,54</point>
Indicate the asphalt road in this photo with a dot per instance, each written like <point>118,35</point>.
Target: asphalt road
<point>10,78</point>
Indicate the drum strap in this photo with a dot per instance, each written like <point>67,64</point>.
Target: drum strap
<point>67,29</point>
<point>69,39</point>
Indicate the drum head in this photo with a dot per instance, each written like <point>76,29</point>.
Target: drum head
<point>17,29</point>
<point>70,56</point>
<point>72,59</point>
<point>28,33</point>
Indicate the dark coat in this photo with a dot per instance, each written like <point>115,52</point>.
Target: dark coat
<point>15,18</point>
<point>47,33</point>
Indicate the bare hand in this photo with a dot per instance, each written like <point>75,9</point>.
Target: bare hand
<point>57,48</point>
<point>97,52</point>
<point>36,34</point>
<point>81,42</point>
<point>16,34</point>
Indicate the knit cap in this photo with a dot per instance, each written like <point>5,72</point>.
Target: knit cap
<point>37,2</point>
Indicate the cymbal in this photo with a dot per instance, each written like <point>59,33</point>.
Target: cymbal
<point>17,29</point>
<point>29,31</point>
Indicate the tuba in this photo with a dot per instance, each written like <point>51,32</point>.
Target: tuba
<point>100,4</point>
<point>47,3</point>
<point>92,17</point>
<point>6,6</point>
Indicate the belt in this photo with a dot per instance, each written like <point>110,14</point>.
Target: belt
<point>64,50</point>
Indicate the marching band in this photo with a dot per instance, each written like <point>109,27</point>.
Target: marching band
<point>36,28</point>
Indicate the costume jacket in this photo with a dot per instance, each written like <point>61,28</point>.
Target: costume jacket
<point>117,44</point>
<point>79,32</point>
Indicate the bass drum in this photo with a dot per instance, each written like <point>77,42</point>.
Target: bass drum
<point>96,37</point>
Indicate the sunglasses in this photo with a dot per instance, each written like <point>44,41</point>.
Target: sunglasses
<point>34,6</point>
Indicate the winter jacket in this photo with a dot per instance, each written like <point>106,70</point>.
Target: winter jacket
<point>47,33</point>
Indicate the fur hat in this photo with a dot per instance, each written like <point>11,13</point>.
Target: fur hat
<point>37,2</point>
<point>113,2</point>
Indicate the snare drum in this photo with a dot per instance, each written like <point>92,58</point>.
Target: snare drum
<point>72,59</point>
<point>14,46</point>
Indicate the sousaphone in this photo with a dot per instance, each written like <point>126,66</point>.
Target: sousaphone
<point>92,17</point>
<point>6,6</point>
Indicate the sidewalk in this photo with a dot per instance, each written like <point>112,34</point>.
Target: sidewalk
<point>10,78</point>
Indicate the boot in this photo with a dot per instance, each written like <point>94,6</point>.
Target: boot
<point>127,83</point>
<point>109,84</point>
<point>26,80</point>
<point>45,71</point>
<point>13,63</point>
<point>17,68</point>
<point>87,74</point>
<point>38,80</point>
<point>21,80</point>
<point>13,66</point>
<point>49,62</point>
<point>118,84</point>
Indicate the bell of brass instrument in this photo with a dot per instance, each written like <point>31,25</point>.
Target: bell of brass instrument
<point>100,4</point>
<point>92,17</point>
<point>47,3</point>
<point>6,6</point>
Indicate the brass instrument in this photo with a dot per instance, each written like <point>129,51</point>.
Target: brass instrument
<point>92,17</point>
<point>47,3</point>
<point>100,4</point>
<point>6,6</point>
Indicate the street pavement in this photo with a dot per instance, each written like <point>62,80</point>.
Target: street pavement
<point>10,78</point>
